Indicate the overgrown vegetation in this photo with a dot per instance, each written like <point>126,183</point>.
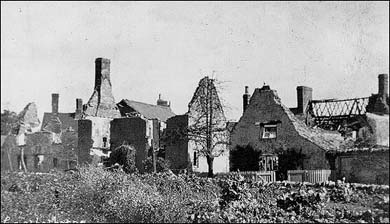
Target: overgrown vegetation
<point>124,155</point>
<point>93,194</point>
<point>161,164</point>
<point>9,122</point>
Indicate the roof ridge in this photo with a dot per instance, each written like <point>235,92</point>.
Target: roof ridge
<point>148,104</point>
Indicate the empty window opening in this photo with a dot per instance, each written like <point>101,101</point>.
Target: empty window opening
<point>269,131</point>
<point>196,159</point>
<point>104,142</point>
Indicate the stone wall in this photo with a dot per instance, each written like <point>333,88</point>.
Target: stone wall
<point>131,131</point>
<point>364,167</point>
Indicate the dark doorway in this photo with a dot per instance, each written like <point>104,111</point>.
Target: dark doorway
<point>290,159</point>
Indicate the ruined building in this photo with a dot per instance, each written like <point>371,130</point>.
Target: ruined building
<point>100,110</point>
<point>59,123</point>
<point>365,159</point>
<point>199,134</point>
<point>272,137</point>
<point>52,147</point>
<point>106,125</point>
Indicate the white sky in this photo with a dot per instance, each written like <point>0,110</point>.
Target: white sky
<point>337,48</point>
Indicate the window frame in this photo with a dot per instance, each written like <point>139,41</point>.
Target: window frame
<point>263,131</point>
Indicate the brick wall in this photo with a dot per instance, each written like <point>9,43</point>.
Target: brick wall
<point>364,167</point>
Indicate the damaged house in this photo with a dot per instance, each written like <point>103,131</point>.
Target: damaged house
<point>53,146</point>
<point>269,137</point>
<point>106,125</point>
<point>314,136</point>
<point>365,159</point>
<point>198,140</point>
<point>100,110</point>
<point>155,117</point>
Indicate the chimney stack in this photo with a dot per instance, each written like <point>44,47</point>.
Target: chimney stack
<point>54,102</point>
<point>102,102</point>
<point>383,85</point>
<point>161,102</point>
<point>79,108</point>
<point>245,99</point>
<point>102,71</point>
<point>304,95</point>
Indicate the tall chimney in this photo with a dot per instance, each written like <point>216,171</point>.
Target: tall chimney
<point>383,85</point>
<point>102,71</point>
<point>79,108</point>
<point>102,102</point>
<point>304,95</point>
<point>245,99</point>
<point>54,102</point>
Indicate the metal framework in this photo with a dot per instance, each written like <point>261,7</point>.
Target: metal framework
<point>331,114</point>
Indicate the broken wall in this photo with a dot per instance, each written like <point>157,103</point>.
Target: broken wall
<point>41,154</point>
<point>380,128</point>
<point>176,150</point>
<point>132,131</point>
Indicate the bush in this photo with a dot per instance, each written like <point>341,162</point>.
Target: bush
<point>161,164</point>
<point>124,155</point>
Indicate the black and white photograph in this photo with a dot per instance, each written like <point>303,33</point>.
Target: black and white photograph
<point>195,112</point>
